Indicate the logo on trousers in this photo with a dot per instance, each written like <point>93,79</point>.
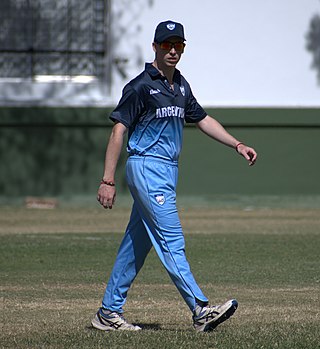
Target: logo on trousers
<point>160,199</point>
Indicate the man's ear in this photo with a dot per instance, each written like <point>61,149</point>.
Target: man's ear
<point>154,47</point>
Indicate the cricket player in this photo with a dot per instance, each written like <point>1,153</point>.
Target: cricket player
<point>153,110</point>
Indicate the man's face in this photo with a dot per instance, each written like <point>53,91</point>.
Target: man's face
<point>169,52</point>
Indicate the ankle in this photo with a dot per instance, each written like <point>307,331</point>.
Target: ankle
<point>105,311</point>
<point>197,310</point>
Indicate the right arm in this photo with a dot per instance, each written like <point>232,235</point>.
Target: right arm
<point>107,193</point>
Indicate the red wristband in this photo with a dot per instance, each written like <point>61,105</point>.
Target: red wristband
<point>238,146</point>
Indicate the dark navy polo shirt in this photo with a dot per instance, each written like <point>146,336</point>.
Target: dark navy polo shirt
<point>155,114</point>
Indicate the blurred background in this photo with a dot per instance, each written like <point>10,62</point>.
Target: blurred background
<point>254,65</point>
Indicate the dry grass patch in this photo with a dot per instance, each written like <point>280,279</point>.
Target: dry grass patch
<point>149,305</point>
<point>213,220</point>
<point>52,283</point>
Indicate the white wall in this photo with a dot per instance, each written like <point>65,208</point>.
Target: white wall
<point>239,52</point>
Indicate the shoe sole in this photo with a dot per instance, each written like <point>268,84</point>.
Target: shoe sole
<point>223,317</point>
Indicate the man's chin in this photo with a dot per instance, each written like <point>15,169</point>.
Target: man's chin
<point>171,63</point>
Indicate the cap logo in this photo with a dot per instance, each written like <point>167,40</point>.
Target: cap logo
<point>171,26</point>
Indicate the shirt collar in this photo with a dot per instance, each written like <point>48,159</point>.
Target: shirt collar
<point>154,72</point>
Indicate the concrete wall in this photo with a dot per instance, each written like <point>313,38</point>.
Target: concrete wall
<point>56,151</point>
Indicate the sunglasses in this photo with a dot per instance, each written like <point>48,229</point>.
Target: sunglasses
<point>167,46</point>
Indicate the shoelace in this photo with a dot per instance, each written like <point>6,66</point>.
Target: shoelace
<point>115,314</point>
<point>118,315</point>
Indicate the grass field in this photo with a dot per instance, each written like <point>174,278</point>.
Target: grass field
<point>54,265</point>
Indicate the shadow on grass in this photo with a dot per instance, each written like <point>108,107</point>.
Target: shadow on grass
<point>153,327</point>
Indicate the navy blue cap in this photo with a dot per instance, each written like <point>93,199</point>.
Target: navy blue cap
<point>168,29</point>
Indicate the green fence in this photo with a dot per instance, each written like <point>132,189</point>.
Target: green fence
<point>60,151</point>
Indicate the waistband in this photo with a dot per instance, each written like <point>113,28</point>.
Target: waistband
<point>150,158</point>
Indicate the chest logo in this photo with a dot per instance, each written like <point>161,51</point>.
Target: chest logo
<point>153,92</point>
<point>183,91</point>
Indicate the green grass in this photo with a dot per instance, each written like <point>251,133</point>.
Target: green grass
<point>54,265</point>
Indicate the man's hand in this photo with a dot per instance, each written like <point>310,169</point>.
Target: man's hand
<point>106,195</point>
<point>247,152</point>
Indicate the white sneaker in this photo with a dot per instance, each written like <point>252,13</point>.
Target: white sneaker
<point>208,318</point>
<point>106,320</point>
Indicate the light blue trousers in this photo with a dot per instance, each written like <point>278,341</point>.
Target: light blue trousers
<point>154,222</point>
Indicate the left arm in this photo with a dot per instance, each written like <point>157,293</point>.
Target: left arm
<point>215,130</point>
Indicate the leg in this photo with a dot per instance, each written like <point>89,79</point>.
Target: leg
<point>131,255</point>
<point>153,189</point>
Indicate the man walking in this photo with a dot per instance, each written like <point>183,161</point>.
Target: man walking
<point>154,108</point>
